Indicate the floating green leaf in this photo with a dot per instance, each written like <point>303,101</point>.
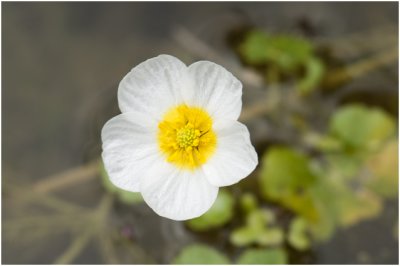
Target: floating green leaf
<point>357,206</point>
<point>263,256</point>
<point>361,127</point>
<point>244,236</point>
<point>219,214</point>
<point>270,237</point>
<point>284,50</point>
<point>260,218</point>
<point>297,236</point>
<point>200,254</point>
<point>258,229</point>
<point>286,176</point>
<point>248,202</point>
<point>324,197</point>
<point>283,55</point>
<point>343,166</point>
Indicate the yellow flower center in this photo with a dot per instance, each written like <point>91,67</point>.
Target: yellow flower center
<point>186,137</point>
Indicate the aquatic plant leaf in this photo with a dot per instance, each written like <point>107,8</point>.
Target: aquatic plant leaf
<point>286,176</point>
<point>258,229</point>
<point>355,207</point>
<point>297,236</point>
<point>244,236</point>
<point>285,50</point>
<point>361,127</point>
<point>200,254</point>
<point>260,218</point>
<point>122,195</point>
<point>384,167</point>
<point>325,143</point>
<point>219,214</point>
<point>324,197</point>
<point>256,222</point>
<point>263,256</point>
<point>253,49</point>
<point>248,202</point>
<point>270,237</point>
<point>343,166</point>
<point>314,71</point>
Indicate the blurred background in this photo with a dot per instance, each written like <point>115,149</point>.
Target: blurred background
<point>320,99</point>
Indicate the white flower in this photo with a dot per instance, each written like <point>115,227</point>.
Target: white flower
<point>178,138</point>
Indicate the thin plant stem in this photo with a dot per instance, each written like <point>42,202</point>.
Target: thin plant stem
<point>67,178</point>
<point>75,248</point>
<point>363,66</point>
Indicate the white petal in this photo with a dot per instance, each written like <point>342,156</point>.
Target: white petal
<point>216,89</point>
<point>129,148</point>
<point>234,158</point>
<point>153,86</point>
<point>177,194</point>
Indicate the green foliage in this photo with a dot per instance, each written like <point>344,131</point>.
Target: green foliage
<point>322,192</point>
<point>263,256</point>
<point>356,206</point>
<point>200,254</point>
<point>286,176</point>
<point>219,214</point>
<point>283,55</point>
<point>345,184</point>
<point>342,165</point>
<point>384,167</point>
<point>314,69</point>
<point>284,50</point>
<point>248,202</point>
<point>123,195</point>
<point>258,229</point>
<point>360,127</point>
<point>297,236</point>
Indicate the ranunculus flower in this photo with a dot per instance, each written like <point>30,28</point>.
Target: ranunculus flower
<point>178,139</point>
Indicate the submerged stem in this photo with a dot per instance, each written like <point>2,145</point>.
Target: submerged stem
<point>75,248</point>
<point>67,178</point>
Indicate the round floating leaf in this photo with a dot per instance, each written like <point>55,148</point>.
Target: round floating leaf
<point>200,254</point>
<point>219,214</point>
<point>284,170</point>
<point>263,256</point>
<point>362,127</point>
<point>286,175</point>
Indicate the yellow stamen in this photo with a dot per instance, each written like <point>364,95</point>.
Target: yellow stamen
<point>186,137</point>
